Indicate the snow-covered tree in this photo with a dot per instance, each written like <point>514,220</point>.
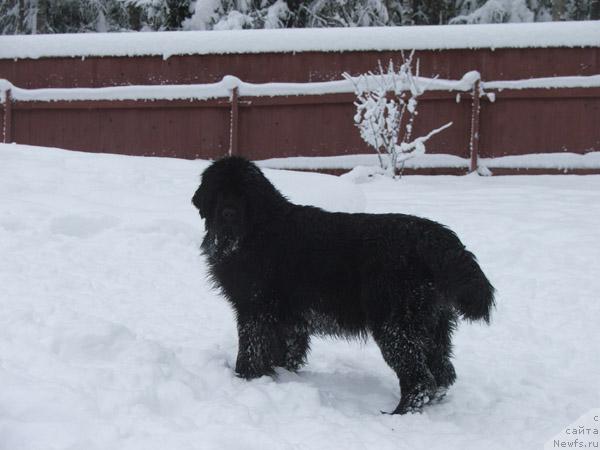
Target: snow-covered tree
<point>11,17</point>
<point>498,11</point>
<point>158,15</point>
<point>238,14</point>
<point>494,11</point>
<point>62,16</point>
<point>386,107</point>
<point>18,16</point>
<point>76,16</point>
<point>347,13</point>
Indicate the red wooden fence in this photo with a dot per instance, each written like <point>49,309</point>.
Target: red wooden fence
<point>519,121</point>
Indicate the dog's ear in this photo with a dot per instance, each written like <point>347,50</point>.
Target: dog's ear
<point>199,201</point>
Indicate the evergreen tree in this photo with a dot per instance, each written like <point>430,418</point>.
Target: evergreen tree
<point>62,16</point>
<point>492,11</point>
<point>77,16</point>
<point>18,16</point>
<point>241,14</point>
<point>11,21</point>
<point>347,13</point>
<point>158,15</point>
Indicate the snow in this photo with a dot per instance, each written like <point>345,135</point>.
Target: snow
<point>111,336</point>
<point>148,92</point>
<point>222,89</point>
<point>350,161</point>
<point>561,161</point>
<point>564,160</point>
<point>592,81</point>
<point>167,44</point>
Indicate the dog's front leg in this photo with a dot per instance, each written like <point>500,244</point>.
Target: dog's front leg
<point>260,347</point>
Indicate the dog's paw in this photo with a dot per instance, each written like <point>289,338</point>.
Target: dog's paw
<point>248,371</point>
<point>419,396</point>
<point>439,395</point>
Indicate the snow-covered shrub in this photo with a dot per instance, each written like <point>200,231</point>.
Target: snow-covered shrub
<point>386,107</point>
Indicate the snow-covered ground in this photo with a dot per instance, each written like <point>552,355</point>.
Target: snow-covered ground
<point>111,337</point>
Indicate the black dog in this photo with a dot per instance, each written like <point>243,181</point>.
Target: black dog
<point>291,271</point>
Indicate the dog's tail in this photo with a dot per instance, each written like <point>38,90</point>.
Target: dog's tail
<point>456,273</point>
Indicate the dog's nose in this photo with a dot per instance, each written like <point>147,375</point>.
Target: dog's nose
<point>228,214</point>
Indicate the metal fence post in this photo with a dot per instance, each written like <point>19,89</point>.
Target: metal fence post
<point>233,125</point>
<point>475,113</point>
<point>7,128</point>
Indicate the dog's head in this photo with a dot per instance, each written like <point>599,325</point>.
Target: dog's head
<point>233,197</point>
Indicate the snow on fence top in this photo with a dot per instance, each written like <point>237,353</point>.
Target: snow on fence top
<point>166,44</point>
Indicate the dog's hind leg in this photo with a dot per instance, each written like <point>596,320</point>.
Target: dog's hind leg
<point>440,352</point>
<point>402,347</point>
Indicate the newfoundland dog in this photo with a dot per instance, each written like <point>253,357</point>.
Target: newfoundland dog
<point>293,271</point>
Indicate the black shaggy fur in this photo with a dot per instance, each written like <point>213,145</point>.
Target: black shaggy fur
<point>292,271</point>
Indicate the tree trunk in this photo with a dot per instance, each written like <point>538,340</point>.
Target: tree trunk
<point>20,25</point>
<point>41,20</point>
<point>558,10</point>
<point>595,10</point>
